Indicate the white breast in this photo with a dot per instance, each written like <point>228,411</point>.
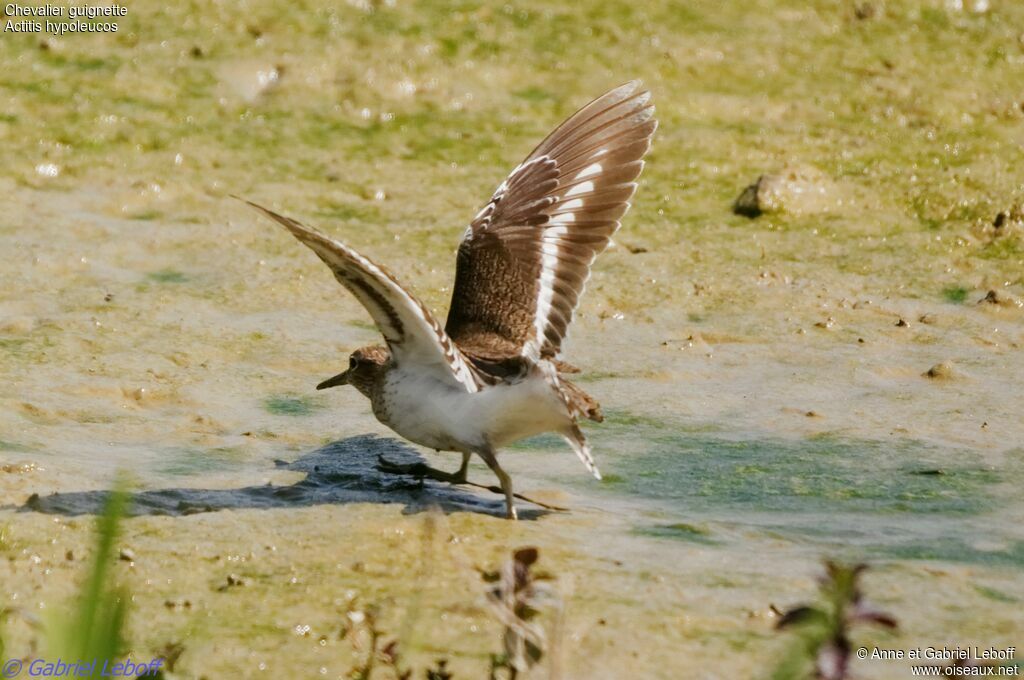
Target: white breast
<point>431,413</point>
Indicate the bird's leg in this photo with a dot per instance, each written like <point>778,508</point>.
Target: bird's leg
<point>423,470</point>
<point>463,473</point>
<point>506,481</point>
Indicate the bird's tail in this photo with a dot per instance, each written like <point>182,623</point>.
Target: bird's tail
<point>574,437</point>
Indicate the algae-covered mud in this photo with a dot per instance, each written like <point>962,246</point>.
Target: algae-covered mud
<point>839,375</point>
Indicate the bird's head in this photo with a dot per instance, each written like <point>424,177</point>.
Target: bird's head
<point>364,366</point>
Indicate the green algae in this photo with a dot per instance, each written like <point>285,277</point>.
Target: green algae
<point>957,550</point>
<point>839,494</point>
<point>13,345</point>
<point>543,442</point>
<point>285,405</point>
<point>534,94</point>
<point>167,276</point>
<point>348,211</point>
<point>190,462</point>
<point>823,474</point>
<point>955,294</point>
<point>305,120</point>
<point>679,531</point>
<point>995,594</point>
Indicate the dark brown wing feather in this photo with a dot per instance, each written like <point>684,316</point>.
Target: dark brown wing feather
<point>411,332</point>
<point>526,256</point>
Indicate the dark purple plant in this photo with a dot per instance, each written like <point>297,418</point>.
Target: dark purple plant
<point>823,629</point>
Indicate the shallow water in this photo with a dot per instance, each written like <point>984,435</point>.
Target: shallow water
<point>764,407</point>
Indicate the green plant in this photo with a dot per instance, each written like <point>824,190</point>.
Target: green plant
<point>822,650</point>
<point>95,628</point>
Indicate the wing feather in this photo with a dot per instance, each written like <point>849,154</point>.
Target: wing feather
<point>526,257</point>
<point>410,330</point>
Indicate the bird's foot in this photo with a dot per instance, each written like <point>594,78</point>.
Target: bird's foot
<point>422,471</point>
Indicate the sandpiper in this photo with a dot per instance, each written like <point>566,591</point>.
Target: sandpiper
<point>492,375</point>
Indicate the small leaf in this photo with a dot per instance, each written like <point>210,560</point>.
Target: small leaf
<point>801,616</point>
<point>862,614</point>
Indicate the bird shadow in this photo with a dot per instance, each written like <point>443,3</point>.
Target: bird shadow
<point>344,471</point>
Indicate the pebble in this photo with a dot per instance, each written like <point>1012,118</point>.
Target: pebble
<point>994,297</point>
<point>941,371</point>
<point>795,189</point>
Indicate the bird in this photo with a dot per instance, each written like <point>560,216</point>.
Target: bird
<point>493,374</point>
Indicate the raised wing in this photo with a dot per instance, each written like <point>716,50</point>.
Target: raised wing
<point>410,330</point>
<point>526,257</point>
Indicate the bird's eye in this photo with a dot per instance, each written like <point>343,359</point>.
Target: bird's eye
<point>351,362</point>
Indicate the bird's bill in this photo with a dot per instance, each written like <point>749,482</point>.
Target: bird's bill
<point>340,379</point>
